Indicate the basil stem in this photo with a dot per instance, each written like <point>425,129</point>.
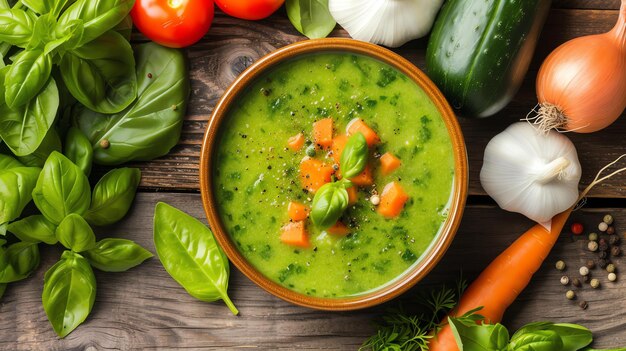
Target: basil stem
<point>354,156</point>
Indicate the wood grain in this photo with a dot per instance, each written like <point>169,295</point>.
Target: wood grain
<point>587,4</point>
<point>232,45</point>
<point>145,309</point>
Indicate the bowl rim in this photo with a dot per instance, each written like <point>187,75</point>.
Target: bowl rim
<point>436,250</point>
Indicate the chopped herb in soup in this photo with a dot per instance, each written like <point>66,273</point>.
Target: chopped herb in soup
<point>282,143</point>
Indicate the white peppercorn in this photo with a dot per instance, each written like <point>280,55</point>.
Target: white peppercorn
<point>560,265</point>
<point>375,200</point>
<point>570,294</point>
<point>612,277</point>
<point>603,227</point>
<point>583,271</point>
<point>610,268</point>
<point>595,283</point>
<point>593,236</point>
<point>608,219</point>
<point>592,246</point>
<point>564,280</point>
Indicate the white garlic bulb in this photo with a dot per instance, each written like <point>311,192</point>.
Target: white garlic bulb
<point>388,22</point>
<point>529,172</point>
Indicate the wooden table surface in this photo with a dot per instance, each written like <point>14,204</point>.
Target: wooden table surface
<point>145,309</point>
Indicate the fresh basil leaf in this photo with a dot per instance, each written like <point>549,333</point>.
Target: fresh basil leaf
<point>16,186</point>
<point>125,28</point>
<point>67,37</point>
<point>190,254</point>
<point>78,149</point>
<point>34,229</point>
<point>151,125</point>
<point>329,203</point>
<point>43,32</point>
<point>354,156</point>
<point>116,255</point>
<point>16,26</point>
<point>574,337</point>
<point>69,291</point>
<point>98,16</point>
<point>101,73</point>
<point>7,162</point>
<point>26,77</point>
<point>62,189</point>
<point>474,337</point>
<point>39,6</point>
<point>51,142</point>
<point>75,233</point>
<point>311,17</point>
<point>21,259</point>
<point>113,196</point>
<point>538,340</point>
<point>23,129</point>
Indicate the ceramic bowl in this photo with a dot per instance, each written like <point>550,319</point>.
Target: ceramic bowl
<point>441,242</point>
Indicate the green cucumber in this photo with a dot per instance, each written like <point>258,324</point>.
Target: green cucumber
<point>479,51</point>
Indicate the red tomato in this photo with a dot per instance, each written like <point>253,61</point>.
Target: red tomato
<point>249,9</point>
<point>173,23</point>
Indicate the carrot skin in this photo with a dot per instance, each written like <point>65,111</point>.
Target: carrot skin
<point>503,280</point>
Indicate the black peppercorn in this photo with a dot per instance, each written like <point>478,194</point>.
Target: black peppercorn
<point>603,254</point>
<point>576,282</point>
<point>585,278</point>
<point>610,230</point>
<point>614,239</point>
<point>590,264</point>
<point>615,251</point>
<point>603,262</point>
<point>603,245</point>
<point>583,305</point>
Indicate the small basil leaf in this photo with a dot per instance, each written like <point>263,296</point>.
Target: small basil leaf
<point>574,337</point>
<point>16,187</point>
<point>23,129</point>
<point>354,156</point>
<point>78,149</point>
<point>311,17</point>
<point>16,26</point>
<point>69,291</point>
<point>26,77</point>
<point>329,203</point>
<point>113,196</point>
<point>62,189</point>
<point>21,259</point>
<point>190,254</point>
<point>43,32</point>
<point>116,255</point>
<point>98,16</point>
<point>68,36</point>
<point>75,233</point>
<point>34,229</point>
<point>538,340</point>
<point>101,73</point>
<point>476,337</point>
<point>7,162</point>
<point>51,142</point>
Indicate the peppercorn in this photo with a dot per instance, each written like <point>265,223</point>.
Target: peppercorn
<point>610,268</point>
<point>603,263</point>
<point>603,254</point>
<point>608,219</point>
<point>310,150</point>
<point>583,271</point>
<point>612,277</point>
<point>593,236</point>
<point>564,280</point>
<point>614,240</point>
<point>590,264</point>
<point>577,228</point>
<point>586,279</point>
<point>603,227</point>
<point>570,294</point>
<point>583,305</point>
<point>603,245</point>
<point>595,283</point>
<point>592,246</point>
<point>615,251</point>
<point>560,265</point>
<point>610,230</point>
<point>576,282</point>
<point>105,144</point>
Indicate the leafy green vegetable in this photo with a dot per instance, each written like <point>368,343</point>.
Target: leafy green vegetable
<point>113,196</point>
<point>311,17</point>
<point>190,254</point>
<point>62,189</point>
<point>34,229</point>
<point>101,73</point>
<point>354,156</point>
<point>7,162</point>
<point>78,149</point>
<point>75,233</point>
<point>51,142</point>
<point>16,26</point>
<point>573,336</point>
<point>16,186</point>
<point>329,203</point>
<point>18,261</point>
<point>69,291</point>
<point>25,78</point>
<point>116,255</point>
<point>125,28</point>
<point>485,338</point>
<point>151,125</point>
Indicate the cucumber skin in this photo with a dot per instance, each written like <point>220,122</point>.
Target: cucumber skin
<point>479,51</point>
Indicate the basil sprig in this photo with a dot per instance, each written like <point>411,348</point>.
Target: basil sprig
<point>354,156</point>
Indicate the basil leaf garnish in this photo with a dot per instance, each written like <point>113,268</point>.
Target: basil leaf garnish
<point>354,156</point>
<point>329,203</point>
<point>311,17</point>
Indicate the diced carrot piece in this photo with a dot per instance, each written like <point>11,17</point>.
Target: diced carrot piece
<point>294,233</point>
<point>365,178</point>
<point>339,229</point>
<point>339,143</point>
<point>296,142</point>
<point>389,163</point>
<point>353,195</point>
<point>314,173</point>
<point>357,125</point>
<point>323,132</point>
<point>297,211</point>
<point>392,200</point>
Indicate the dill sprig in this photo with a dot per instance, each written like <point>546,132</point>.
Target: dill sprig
<point>401,331</point>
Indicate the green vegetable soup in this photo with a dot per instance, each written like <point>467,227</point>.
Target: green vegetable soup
<point>256,175</point>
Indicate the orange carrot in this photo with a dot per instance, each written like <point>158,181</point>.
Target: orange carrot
<point>339,143</point>
<point>323,132</point>
<point>357,125</point>
<point>364,178</point>
<point>297,211</point>
<point>353,195</point>
<point>392,200</point>
<point>296,142</point>
<point>294,233</point>
<point>503,280</point>
<point>389,163</point>
<point>339,229</point>
<point>314,173</point>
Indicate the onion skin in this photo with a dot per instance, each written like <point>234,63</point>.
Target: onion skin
<point>585,79</point>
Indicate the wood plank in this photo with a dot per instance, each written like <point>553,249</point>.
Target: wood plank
<point>587,4</point>
<point>232,45</point>
<point>145,309</point>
